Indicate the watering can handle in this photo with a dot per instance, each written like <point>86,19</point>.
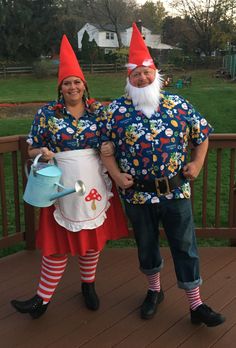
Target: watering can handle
<point>34,165</point>
<point>26,168</point>
<point>38,157</point>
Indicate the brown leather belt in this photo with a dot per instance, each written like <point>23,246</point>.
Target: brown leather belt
<point>162,186</point>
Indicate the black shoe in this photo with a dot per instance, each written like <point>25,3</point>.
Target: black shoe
<point>34,306</point>
<point>90,297</point>
<point>204,314</point>
<point>150,304</point>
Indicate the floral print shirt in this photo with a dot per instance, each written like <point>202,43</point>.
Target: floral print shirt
<point>149,148</point>
<point>64,133</point>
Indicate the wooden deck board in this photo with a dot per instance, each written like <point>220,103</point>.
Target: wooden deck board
<point>121,288</point>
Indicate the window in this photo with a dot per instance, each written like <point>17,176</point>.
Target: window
<point>110,36</point>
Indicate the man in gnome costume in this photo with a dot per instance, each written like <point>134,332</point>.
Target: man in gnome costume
<point>77,225</point>
<point>151,130</point>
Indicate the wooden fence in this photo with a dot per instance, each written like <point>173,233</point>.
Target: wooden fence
<point>92,68</point>
<point>217,189</point>
<point>15,70</point>
<point>103,68</point>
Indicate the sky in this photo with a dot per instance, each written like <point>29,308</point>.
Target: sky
<point>165,2</point>
<point>143,1</point>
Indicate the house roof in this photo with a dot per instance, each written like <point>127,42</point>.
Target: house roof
<point>162,46</point>
<point>108,27</point>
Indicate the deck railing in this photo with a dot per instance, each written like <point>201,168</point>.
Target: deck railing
<point>213,193</point>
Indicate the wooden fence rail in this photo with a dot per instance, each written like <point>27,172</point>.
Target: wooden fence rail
<point>15,70</point>
<point>217,188</point>
<point>92,68</point>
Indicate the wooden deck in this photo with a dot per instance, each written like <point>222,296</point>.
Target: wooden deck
<point>121,288</point>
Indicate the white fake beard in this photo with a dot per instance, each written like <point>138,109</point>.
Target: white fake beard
<point>146,99</point>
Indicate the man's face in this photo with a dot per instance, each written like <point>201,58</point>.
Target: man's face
<point>142,76</point>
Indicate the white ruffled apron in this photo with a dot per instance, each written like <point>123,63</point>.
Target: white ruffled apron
<point>76,212</point>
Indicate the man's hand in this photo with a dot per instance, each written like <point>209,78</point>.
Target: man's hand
<point>107,148</point>
<point>191,170</point>
<point>124,180</point>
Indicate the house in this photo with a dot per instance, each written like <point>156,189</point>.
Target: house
<point>106,38</point>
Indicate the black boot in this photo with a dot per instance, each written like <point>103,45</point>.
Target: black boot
<point>90,297</point>
<point>150,304</point>
<point>33,306</point>
<point>206,315</point>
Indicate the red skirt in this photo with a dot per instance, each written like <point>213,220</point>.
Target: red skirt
<point>54,239</point>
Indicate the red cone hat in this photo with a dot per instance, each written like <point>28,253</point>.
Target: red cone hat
<point>69,65</point>
<point>138,52</point>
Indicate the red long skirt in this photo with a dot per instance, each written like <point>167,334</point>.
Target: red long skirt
<point>55,239</point>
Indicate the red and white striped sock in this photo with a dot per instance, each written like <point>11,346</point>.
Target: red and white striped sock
<point>194,298</point>
<point>154,282</point>
<point>88,265</point>
<point>52,269</point>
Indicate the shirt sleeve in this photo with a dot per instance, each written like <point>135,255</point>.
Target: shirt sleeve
<point>97,107</point>
<point>39,130</point>
<point>198,125</point>
<point>104,119</point>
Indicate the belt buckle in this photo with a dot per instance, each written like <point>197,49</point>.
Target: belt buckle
<point>162,186</point>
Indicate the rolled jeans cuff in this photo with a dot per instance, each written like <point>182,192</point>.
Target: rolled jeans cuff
<point>190,285</point>
<point>153,270</point>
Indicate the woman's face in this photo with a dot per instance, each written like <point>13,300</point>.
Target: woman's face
<point>72,89</point>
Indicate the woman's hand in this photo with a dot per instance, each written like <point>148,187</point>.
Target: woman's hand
<point>47,155</point>
<point>107,148</point>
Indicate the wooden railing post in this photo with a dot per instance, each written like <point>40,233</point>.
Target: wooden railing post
<point>29,211</point>
<point>232,197</point>
<point>233,241</point>
<point>234,205</point>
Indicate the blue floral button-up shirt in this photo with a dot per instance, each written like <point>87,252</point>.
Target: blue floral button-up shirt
<point>65,133</point>
<point>149,148</point>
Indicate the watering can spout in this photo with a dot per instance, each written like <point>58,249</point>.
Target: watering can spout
<point>79,188</point>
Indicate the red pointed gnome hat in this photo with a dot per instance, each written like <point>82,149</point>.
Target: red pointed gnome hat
<point>138,52</point>
<point>69,65</point>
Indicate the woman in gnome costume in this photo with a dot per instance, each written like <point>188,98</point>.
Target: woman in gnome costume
<point>77,225</point>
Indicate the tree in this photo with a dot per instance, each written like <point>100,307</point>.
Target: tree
<point>207,18</point>
<point>152,15</point>
<point>25,33</point>
<point>31,28</point>
<point>89,48</point>
<point>111,12</point>
<point>71,15</point>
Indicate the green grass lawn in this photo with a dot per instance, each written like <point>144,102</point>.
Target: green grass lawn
<point>29,89</point>
<point>214,98</point>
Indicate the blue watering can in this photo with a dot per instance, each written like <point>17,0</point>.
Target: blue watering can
<point>43,183</point>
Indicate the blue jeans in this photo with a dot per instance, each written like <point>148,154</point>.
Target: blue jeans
<point>177,220</point>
